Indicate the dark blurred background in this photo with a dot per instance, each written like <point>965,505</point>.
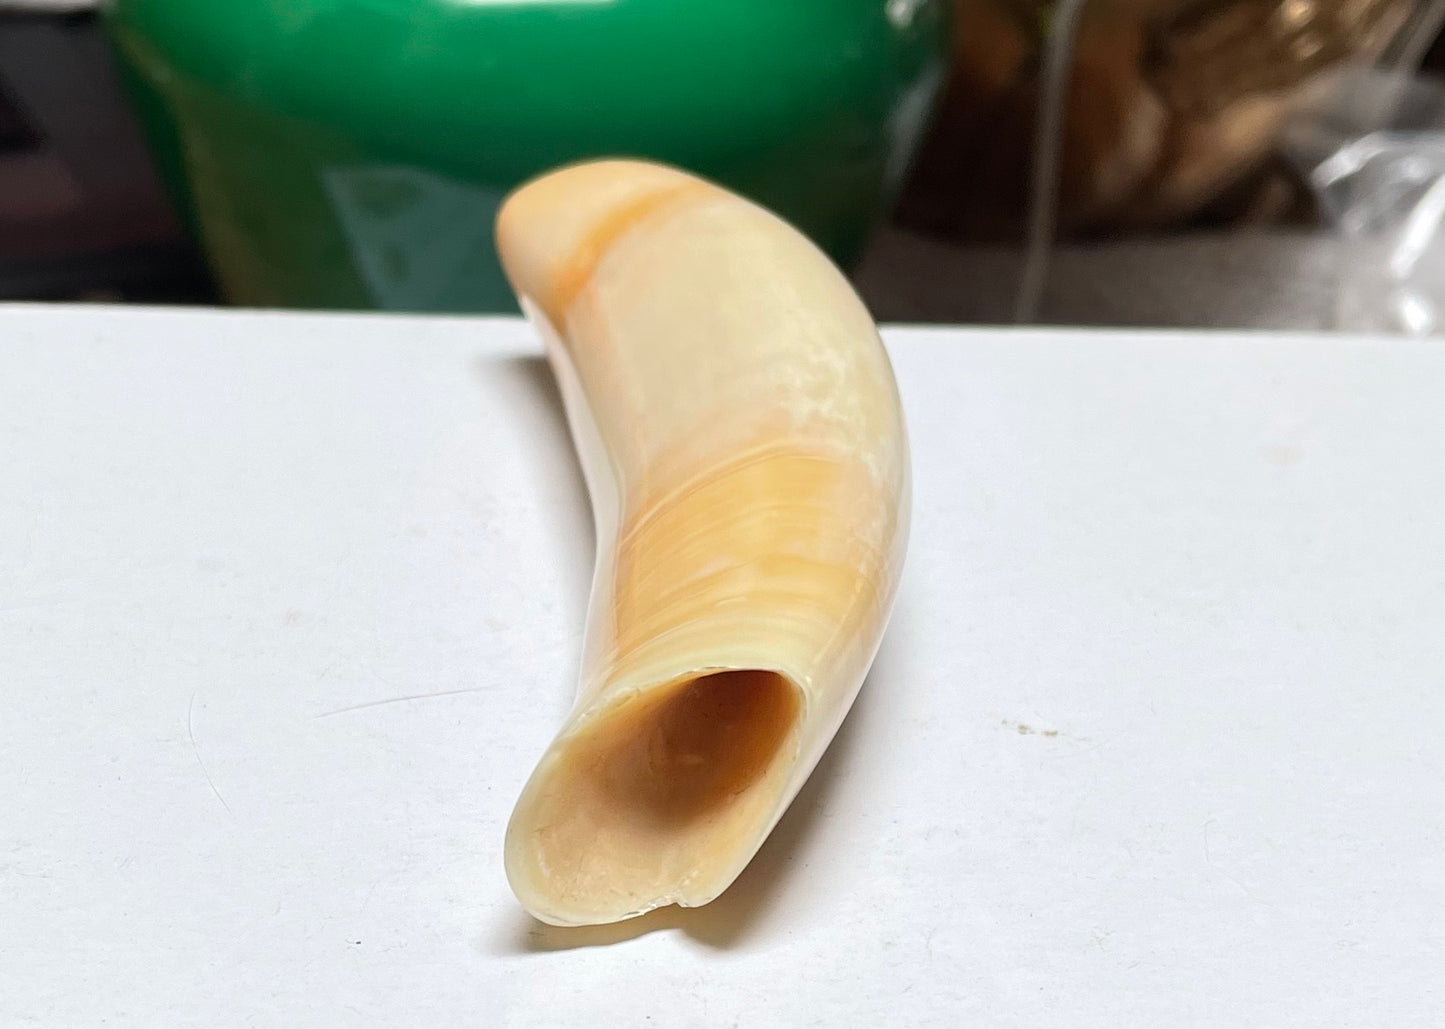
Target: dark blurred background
<point>83,216</point>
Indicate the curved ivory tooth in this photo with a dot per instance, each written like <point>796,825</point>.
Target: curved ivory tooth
<point>739,428</point>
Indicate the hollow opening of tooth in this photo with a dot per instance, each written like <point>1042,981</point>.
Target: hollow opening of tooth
<point>665,795</point>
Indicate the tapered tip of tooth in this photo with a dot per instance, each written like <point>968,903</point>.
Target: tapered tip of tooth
<point>661,799</point>
<point>551,230</point>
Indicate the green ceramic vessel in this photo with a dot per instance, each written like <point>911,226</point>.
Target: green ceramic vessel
<point>352,153</point>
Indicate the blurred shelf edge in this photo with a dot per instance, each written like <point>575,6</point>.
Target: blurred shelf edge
<point>157,273</point>
<point>82,212</point>
<point>1282,279</point>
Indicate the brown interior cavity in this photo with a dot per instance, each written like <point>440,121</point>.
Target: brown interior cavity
<point>660,798</point>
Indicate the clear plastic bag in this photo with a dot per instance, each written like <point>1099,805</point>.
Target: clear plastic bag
<point>1375,162</point>
<point>1385,194</point>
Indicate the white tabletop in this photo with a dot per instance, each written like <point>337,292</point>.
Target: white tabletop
<point>289,605</point>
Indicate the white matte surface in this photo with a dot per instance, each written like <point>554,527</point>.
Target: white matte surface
<point>289,605</point>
